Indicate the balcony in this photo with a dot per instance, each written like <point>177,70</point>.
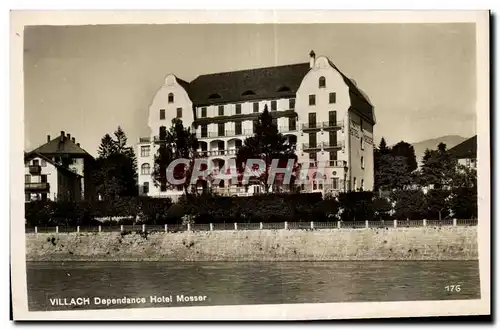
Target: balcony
<point>327,125</point>
<point>309,127</point>
<point>243,132</point>
<point>307,146</point>
<point>146,139</point>
<point>330,145</point>
<point>211,153</point>
<point>337,163</point>
<point>37,186</point>
<point>331,163</point>
<point>35,169</point>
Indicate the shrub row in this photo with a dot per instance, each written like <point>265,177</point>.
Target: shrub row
<point>353,206</point>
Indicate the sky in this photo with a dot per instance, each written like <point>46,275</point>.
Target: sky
<point>87,80</point>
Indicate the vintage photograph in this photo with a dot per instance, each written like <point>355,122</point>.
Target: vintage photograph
<point>224,164</point>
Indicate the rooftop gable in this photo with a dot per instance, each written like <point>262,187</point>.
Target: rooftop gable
<point>62,144</point>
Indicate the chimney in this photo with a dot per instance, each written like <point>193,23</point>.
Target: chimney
<point>69,136</point>
<point>48,138</point>
<point>73,139</point>
<point>78,144</point>
<point>62,136</point>
<point>312,59</point>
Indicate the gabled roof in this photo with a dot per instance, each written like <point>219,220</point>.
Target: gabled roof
<point>33,154</point>
<point>466,149</point>
<point>61,145</point>
<point>359,100</point>
<point>247,85</point>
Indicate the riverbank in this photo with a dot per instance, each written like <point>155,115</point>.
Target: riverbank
<point>445,243</point>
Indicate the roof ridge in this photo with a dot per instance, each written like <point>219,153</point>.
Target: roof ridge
<point>252,69</point>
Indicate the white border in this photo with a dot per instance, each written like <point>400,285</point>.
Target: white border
<point>249,312</point>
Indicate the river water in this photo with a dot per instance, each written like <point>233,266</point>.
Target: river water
<point>51,285</point>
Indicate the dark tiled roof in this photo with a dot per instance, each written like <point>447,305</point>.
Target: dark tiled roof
<point>33,154</point>
<point>265,83</point>
<point>56,146</point>
<point>359,100</point>
<point>466,149</point>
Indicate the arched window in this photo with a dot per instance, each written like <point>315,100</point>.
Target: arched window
<point>170,97</point>
<point>322,82</point>
<point>145,169</point>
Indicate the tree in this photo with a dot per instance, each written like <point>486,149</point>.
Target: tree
<point>409,204</point>
<point>406,150</point>
<point>107,147</point>
<point>392,172</point>
<point>266,144</point>
<point>356,206</point>
<point>438,168</point>
<point>176,143</point>
<point>381,208</point>
<point>437,203</point>
<point>463,203</point>
<point>115,170</point>
<point>382,147</point>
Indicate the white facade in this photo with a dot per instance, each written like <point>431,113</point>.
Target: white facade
<point>45,181</point>
<point>334,143</point>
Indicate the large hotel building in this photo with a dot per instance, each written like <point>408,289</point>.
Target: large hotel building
<point>318,108</point>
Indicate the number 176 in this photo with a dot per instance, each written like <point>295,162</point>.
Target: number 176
<point>453,288</point>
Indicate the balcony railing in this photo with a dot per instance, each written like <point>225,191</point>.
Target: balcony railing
<point>310,126</point>
<point>328,124</point>
<point>37,186</point>
<point>211,153</point>
<point>331,145</point>
<point>331,163</point>
<point>35,169</point>
<point>307,146</point>
<point>224,134</point>
<point>146,139</point>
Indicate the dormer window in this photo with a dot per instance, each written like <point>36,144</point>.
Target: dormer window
<point>170,97</point>
<point>284,89</point>
<point>214,96</point>
<point>247,93</point>
<point>322,82</point>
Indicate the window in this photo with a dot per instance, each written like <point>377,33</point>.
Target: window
<point>179,112</point>
<point>145,169</point>
<point>238,109</point>
<point>163,188</point>
<point>312,140</point>
<point>292,123</point>
<point>43,178</point>
<point>162,114</point>
<point>333,97</point>
<point>256,107</point>
<point>26,163</point>
<point>354,185</point>
<point>333,139</point>
<point>27,197</point>
<point>322,82</point>
<point>333,156</point>
<point>362,162</point>
<point>44,163</point>
<point>214,96</point>
<point>204,128</point>
<point>254,127</point>
<point>313,156</point>
<point>237,127</point>
<point>221,110</point>
<point>312,99</point>
<point>145,188</point>
<point>274,106</point>
<point>283,89</point>
<point>362,187</point>
<point>335,183</point>
<point>145,151</point>
<point>362,144</point>
<point>312,120</point>
<point>36,162</point>
<point>291,104</point>
<point>204,112</point>
<point>27,178</point>
<point>170,98</point>
<point>332,118</point>
<point>220,129</point>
